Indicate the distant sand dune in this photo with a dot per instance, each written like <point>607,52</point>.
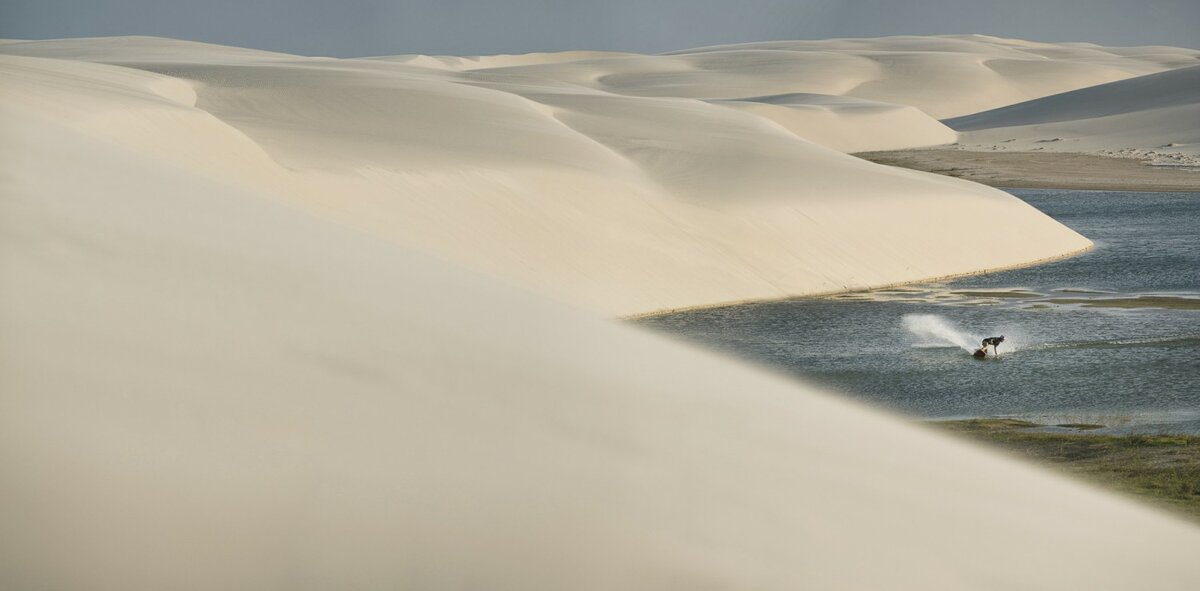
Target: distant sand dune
<point>944,76</point>
<point>848,124</point>
<point>1156,117</point>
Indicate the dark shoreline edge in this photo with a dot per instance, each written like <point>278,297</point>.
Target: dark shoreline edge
<point>865,289</point>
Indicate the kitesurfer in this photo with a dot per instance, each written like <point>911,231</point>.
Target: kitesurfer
<point>993,342</point>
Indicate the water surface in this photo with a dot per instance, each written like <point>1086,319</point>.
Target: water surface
<point>1111,336</point>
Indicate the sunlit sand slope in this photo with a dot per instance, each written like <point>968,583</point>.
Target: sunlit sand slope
<point>944,76</point>
<point>1154,116</point>
<point>621,204</point>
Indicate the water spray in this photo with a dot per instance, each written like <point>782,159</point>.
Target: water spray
<point>932,330</point>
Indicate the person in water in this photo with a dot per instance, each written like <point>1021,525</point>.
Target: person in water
<point>994,342</point>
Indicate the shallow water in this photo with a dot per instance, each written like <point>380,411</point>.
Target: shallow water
<point>1110,337</point>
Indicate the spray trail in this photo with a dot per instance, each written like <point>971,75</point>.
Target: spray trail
<point>931,329</point>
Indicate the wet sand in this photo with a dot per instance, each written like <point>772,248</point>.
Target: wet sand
<point>1050,170</point>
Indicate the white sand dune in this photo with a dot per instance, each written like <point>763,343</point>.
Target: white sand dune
<point>500,61</point>
<point>944,76</point>
<point>1156,116</point>
<point>847,124</point>
<point>574,192</point>
<point>233,353</point>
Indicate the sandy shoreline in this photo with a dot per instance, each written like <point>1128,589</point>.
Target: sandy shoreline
<point>941,278</point>
<point>1042,170</point>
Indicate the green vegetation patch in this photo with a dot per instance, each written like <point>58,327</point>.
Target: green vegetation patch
<point>1163,469</point>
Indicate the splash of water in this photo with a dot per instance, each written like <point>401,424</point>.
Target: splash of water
<point>932,329</point>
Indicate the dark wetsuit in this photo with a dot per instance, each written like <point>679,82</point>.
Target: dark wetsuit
<point>993,341</point>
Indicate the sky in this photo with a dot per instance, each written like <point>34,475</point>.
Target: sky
<point>349,28</point>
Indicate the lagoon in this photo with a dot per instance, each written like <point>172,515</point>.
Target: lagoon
<point>1111,336</point>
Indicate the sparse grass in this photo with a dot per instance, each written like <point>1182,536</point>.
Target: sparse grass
<point>1163,469</point>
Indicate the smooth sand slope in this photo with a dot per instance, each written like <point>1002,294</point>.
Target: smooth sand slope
<point>1155,117</point>
<point>944,76</point>
<point>233,353</point>
<point>622,204</point>
<point>832,91</point>
<point>848,124</point>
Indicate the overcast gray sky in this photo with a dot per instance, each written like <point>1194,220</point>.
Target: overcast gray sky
<point>470,27</point>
